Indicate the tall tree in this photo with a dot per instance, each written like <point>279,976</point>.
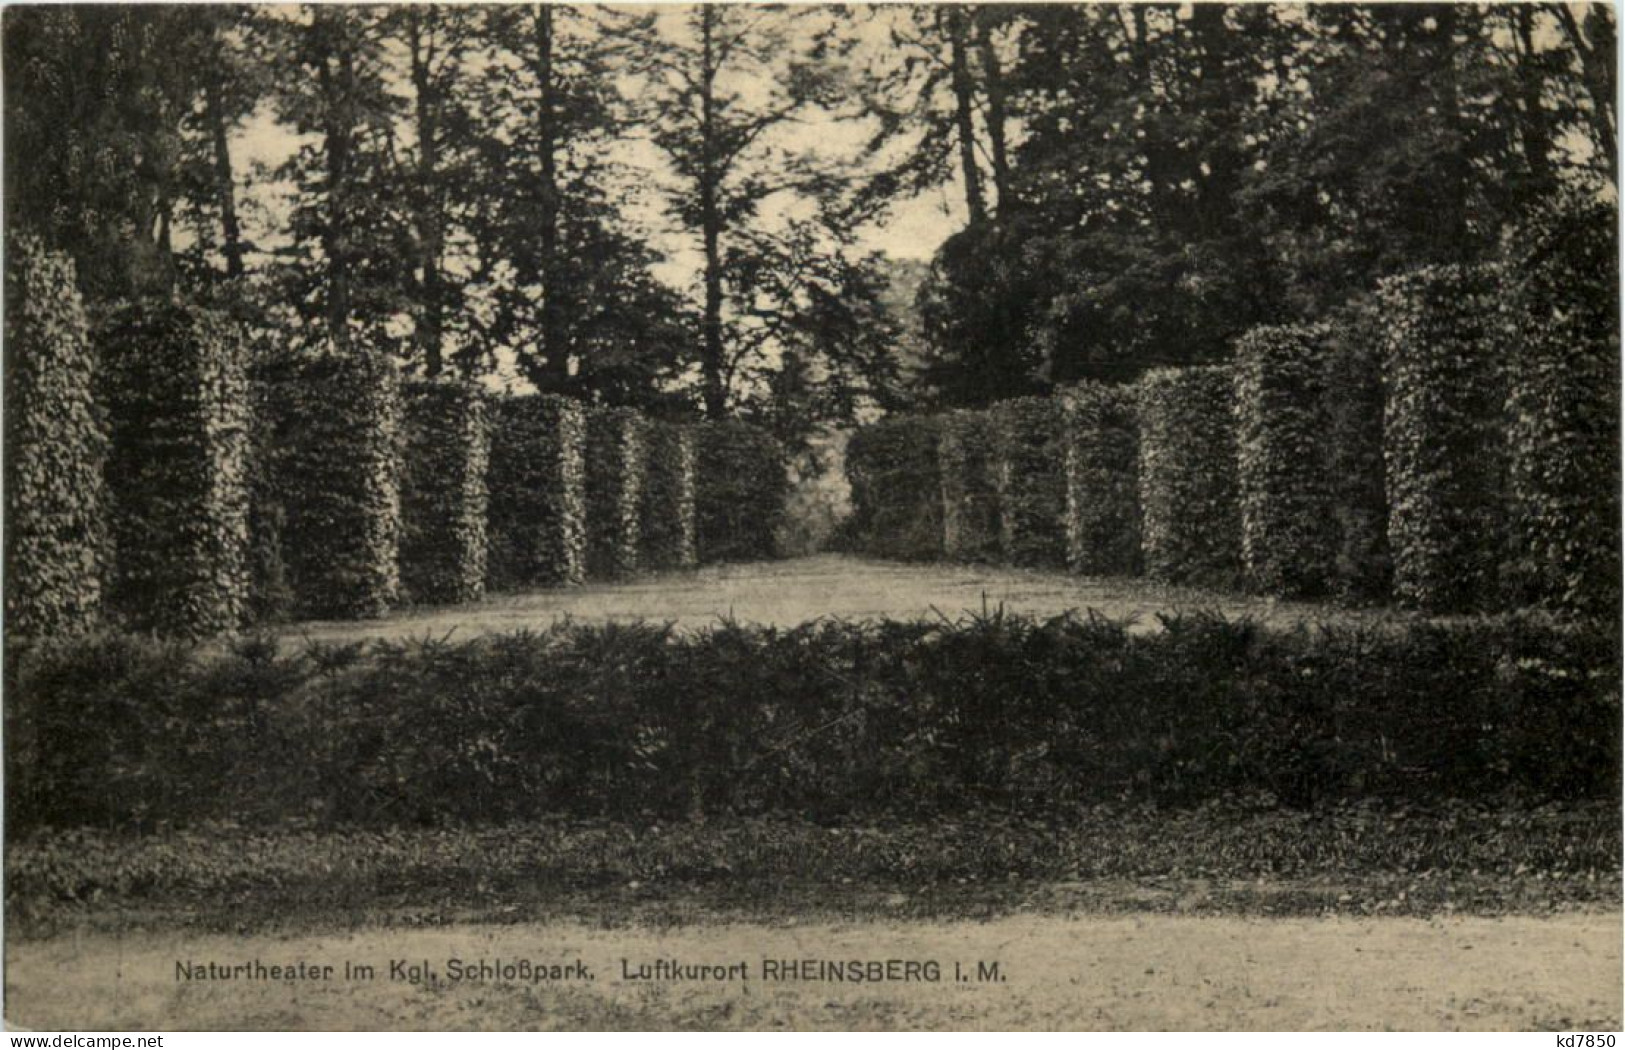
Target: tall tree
<point>348,269</point>
<point>730,82</point>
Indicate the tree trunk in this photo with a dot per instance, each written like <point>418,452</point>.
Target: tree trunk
<point>712,363</point>
<point>336,74</point>
<point>964,104</point>
<point>1535,131</point>
<point>555,340</point>
<point>225,190</point>
<point>431,237</point>
<point>993,73</point>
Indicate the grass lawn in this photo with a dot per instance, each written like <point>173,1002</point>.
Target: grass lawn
<point>786,593</point>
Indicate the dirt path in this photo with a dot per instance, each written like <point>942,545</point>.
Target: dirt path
<point>791,592</point>
<point>1090,972</point>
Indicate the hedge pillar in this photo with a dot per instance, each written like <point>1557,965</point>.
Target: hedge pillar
<point>537,493</point>
<point>443,494</point>
<point>1443,439</point>
<point>970,502</point>
<point>339,473</point>
<point>55,449</point>
<point>1561,316</point>
<point>893,468</point>
<point>741,491</point>
<point>1191,521</point>
<point>178,403</point>
<point>669,530</point>
<point>1102,480</point>
<point>615,459</point>
<point>1029,472</point>
<point>1288,536</point>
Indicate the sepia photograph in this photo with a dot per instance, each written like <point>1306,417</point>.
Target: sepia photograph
<point>812,517</point>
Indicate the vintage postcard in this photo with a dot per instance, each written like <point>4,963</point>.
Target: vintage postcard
<point>1067,516</point>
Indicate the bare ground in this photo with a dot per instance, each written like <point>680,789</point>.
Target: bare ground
<point>1088,972</point>
<point>786,593</point>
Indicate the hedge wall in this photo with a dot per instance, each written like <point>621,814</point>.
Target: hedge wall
<point>740,492</point>
<point>668,531</point>
<point>1560,315</point>
<point>1190,514</point>
<point>56,446</point>
<point>443,497</point>
<point>1029,475</point>
<point>1353,416</point>
<point>892,466</point>
<point>1444,438</point>
<point>1288,538</point>
<point>831,721</point>
<point>1102,480</point>
<point>614,491</point>
<point>970,500</point>
<point>538,499</point>
<point>178,403</point>
<point>338,475</point>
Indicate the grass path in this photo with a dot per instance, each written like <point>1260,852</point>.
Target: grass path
<point>786,593</point>
<point>1058,972</point>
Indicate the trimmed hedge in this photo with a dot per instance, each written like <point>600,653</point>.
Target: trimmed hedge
<point>1560,310</point>
<point>668,531</point>
<point>538,499</point>
<point>338,475</point>
<point>56,447</point>
<point>178,403</point>
<point>614,491</point>
<point>1102,480</point>
<point>832,721</point>
<point>970,502</point>
<point>1029,475</point>
<point>1353,416</point>
<point>1190,514</point>
<point>892,466</point>
<point>740,492</point>
<point>1288,542</point>
<point>1444,438</point>
<point>443,497</point>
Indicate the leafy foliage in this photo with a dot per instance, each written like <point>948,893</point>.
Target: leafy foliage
<point>443,495</point>
<point>834,721</point>
<point>1102,480</point>
<point>1444,441</point>
<point>896,482</point>
<point>176,387</point>
<point>537,487</point>
<point>338,474</point>
<point>1190,517</point>
<point>1029,474</point>
<point>669,514</point>
<point>1286,489</point>
<point>740,491</point>
<point>56,445</point>
<point>970,502</point>
<point>614,487</point>
<point>1560,310</point>
<point>1353,416</point>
